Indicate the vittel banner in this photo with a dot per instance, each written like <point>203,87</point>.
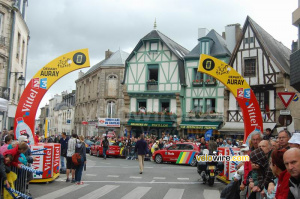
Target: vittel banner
<point>39,85</point>
<point>239,88</point>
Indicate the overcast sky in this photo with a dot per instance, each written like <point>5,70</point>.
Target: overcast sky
<point>60,26</point>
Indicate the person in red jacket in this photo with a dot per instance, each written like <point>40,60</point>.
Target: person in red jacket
<point>36,137</point>
<point>279,170</point>
<point>15,152</point>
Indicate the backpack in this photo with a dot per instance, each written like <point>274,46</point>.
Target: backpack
<point>76,159</point>
<point>105,143</point>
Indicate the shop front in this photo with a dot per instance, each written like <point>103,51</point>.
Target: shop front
<point>109,126</point>
<point>198,129</point>
<point>149,128</point>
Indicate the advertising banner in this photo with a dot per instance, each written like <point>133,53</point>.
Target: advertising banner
<point>39,160</point>
<point>40,83</point>
<point>239,88</point>
<point>56,157</point>
<point>48,161</point>
<point>109,122</point>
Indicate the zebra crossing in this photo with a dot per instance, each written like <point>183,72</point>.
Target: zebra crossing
<point>109,191</point>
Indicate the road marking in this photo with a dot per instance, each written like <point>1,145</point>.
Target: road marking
<point>142,182</point>
<point>137,193</point>
<point>91,174</point>
<point>183,179</point>
<point>112,176</point>
<point>174,194</point>
<point>159,178</point>
<point>135,177</point>
<point>208,193</point>
<point>100,192</point>
<point>62,192</point>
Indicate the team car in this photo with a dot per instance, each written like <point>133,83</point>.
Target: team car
<point>171,153</point>
<point>97,149</point>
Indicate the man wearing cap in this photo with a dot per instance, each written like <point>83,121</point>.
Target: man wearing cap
<point>294,142</point>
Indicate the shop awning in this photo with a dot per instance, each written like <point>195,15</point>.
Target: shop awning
<point>3,104</point>
<point>200,125</point>
<point>239,126</point>
<point>150,123</point>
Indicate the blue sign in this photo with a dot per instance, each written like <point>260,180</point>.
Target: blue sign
<point>295,99</point>
<point>208,134</point>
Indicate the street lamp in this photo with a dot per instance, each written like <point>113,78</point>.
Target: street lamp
<point>21,79</point>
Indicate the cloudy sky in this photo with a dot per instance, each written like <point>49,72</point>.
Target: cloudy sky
<point>60,26</point>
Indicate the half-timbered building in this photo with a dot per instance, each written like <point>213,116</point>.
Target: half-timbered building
<point>264,63</point>
<point>154,79</point>
<point>203,105</point>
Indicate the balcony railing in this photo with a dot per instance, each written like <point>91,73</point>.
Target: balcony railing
<point>197,83</point>
<point>152,85</point>
<point>237,116</point>
<point>203,116</point>
<point>210,82</point>
<point>4,92</point>
<point>159,116</point>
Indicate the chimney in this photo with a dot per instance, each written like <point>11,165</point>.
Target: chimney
<point>202,32</point>
<point>232,34</point>
<point>80,74</point>
<point>108,53</point>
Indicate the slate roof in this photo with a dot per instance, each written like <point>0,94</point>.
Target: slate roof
<point>279,53</point>
<point>218,48</point>
<point>117,59</point>
<point>174,47</point>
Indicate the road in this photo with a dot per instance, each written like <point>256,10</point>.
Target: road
<point>119,178</point>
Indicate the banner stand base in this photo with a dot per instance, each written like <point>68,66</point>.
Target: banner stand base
<point>55,175</point>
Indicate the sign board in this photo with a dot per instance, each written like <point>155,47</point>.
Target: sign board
<point>39,85</point>
<point>286,97</point>
<point>285,112</point>
<point>241,90</point>
<point>109,122</point>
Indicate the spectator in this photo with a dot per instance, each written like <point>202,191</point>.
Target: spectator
<point>36,137</point>
<point>63,152</point>
<point>255,140</point>
<point>4,162</point>
<point>283,138</point>
<point>267,136</point>
<point>278,168</point>
<point>161,144</point>
<point>266,146</point>
<point>275,145</point>
<point>7,140</point>
<point>291,160</point>
<point>294,142</point>
<point>15,152</point>
<point>141,149</point>
<point>212,145</point>
<point>70,152</point>
<point>105,144</point>
<point>3,134</point>
<point>80,148</point>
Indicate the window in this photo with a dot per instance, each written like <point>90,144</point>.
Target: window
<point>153,46</point>
<point>198,106</point>
<point>197,75</point>
<point>262,99</point>
<point>1,22</point>
<point>110,109</point>
<point>204,47</point>
<point>112,86</point>
<point>152,83</point>
<point>186,147</point>
<point>249,40</point>
<point>18,46</point>
<point>210,105</point>
<point>250,67</point>
<point>174,147</point>
<point>142,106</point>
<point>165,105</point>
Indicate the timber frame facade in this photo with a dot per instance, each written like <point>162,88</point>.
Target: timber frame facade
<point>264,64</point>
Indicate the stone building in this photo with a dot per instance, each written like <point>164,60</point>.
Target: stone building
<point>14,37</point>
<point>99,97</point>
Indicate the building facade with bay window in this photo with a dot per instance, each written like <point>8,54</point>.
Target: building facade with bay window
<point>99,97</point>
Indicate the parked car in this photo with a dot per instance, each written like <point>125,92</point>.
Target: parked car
<point>88,144</point>
<point>172,153</point>
<point>97,149</point>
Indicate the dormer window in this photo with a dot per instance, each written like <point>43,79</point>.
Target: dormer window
<point>153,46</point>
<point>249,40</point>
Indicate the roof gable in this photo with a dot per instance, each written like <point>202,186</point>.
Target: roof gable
<point>174,47</point>
<point>218,48</point>
<point>274,49</point>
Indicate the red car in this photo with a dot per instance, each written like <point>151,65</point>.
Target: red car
<point>97,149</point>
<point>172,153</point>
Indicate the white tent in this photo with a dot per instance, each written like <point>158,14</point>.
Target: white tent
<point>3,104</point>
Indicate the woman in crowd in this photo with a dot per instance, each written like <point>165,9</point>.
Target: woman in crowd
<point>80,148</point>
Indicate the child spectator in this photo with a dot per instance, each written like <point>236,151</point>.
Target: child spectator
<point>7,141</point>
